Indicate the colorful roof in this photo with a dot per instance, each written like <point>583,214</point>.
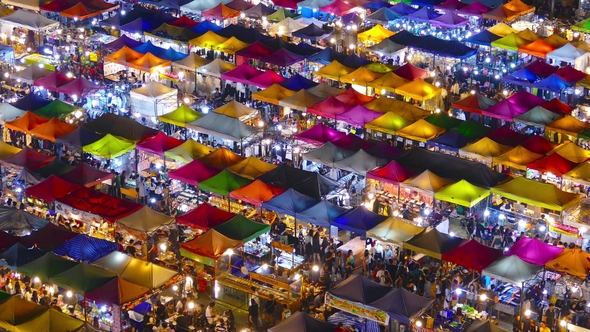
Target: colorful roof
<point>535,193</point>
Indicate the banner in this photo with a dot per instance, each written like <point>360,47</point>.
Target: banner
<point>564,229</point>
<point>358,309</point>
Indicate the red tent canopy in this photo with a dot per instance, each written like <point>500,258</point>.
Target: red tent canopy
<point>391,173</point>
<point>352,142</point>
<point>472,255</point>
<point>553,163</point>
<point>506,136</point>
<point>159,144</point>
<point>474,103</point>
<point>541,68</point>
<point>184,22</point>
<point>79,87</point>
<point>570,74</point>
<point>338,8</point>
<point>53,81</point>
<point>557,106</point>
<point>329,108</point>
<point>57,6</point>
<point>267,79</point>
<point>7,240</point>
<point>204,217</point>
<point>353,97</point>
<point>256,51</point>
<point>51,188</point>
<point>194,172</point>
<point>411,72</point>
<point>256,192</point>
<point>291,4</point>
<point>103,205</point>
<point>220,12</point>
<point>538,144</point>
<point>86,175</point>
<point>49,237</point>
<point>319,134</point>
<point>27,158</point>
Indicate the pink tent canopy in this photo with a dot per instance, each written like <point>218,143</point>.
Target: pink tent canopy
<point>267,79</point>
<point>525,99</point>
<point>505,110</point>
<point>450,5</point>
<point>353,97</point>
<point>352,142</point>
<point>506,136</point>
<point>338,8</point>
<point>291,4</point>
<point>241,74</point>
<point>319,134</point>
<point>570,74</point>
<point>541,68</point>
<point>449,20</point>
<point>329,108</point>
<point>474,9</point>
<point>194,172</point>
<point>411,72</point>
<point>391,173</point>
<point>534,251</point>
<point>53,81</point>
<point>79,87</point>
<point>158,144</point>
<point>359,115</point>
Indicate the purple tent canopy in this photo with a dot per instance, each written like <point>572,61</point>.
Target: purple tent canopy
<point>525,99</point>
<point>474,9</point>
<point>534,251</point>
<point>359,115</point>
<point>505,110</point>
<point>449,20</point>
<point>120,42</point>
<point>424,14</point>
<point>450,5</point>
<point>298,82</point>
<point>283,58</point>
<point>350,18</point>
<point>382,150</point>
<point>319,134</point>
<point>358,220</point>
<point>403,9</point>
<point>241,74</point>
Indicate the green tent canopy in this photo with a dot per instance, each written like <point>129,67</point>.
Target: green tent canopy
<point>56,109</point>
<point>443,120</point>
<point>47,266</point>
<point>180,116</point>
<point>224,183</point>
<point>4,296</point>
<point>583,26</point>
<point>512,42</point>
<point>55,167</point>
<point>472,129</point>
<point>282,14</point>
<point>109,147</point>
<point>462,193</point>
<point>83,278</point>
<point>242,228</point>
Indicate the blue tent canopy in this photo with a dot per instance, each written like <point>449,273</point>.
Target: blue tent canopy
<point>424,14</point>
<point>86,249</point>
<point>451,140</point>
<point>326,56</point>
<point>297,82</point>
<point>403,9</point>
<point>79,137</point>
<point>402,305</point>
<point>140,25</point>
<point>290,202</point>
<point>311,32</point>
<point>354,61</point>
<point>553,83</point>
<point>19,255</point>
<point>121,42</point>
<point>171,55</point>
<point>205,26</point>
<point>321,214</point>
<point>360,289</point>
<point>377,4</point>
<point>302,49</point>
<point>30,102</point>
<point>246,35</point>
<point>358,220</point>
<point>148,47</point>
<point>523,77</point>
<point>427,3</point>
<point>483,38</point>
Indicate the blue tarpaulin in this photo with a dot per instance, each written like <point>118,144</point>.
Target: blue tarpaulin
<point>483,38</point>
<point>290,202</point>
<point>321,214</point>
<point>297,82</point>
<point>86,249</point>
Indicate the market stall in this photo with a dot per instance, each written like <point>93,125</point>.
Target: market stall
<point>433,243</point>
<point>153,100</point>
<point>153,158</point>
<point>202,218</point>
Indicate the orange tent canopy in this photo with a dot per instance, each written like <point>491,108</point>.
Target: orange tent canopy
<point>212,244</point>
<point>256,193</point>
<point>123,56</point>
<point>149,63</point>
<point>538,48</point>
<point>53,129</point>
<point>26,122</point>
<point>80,12</point>
<point>575,262</point>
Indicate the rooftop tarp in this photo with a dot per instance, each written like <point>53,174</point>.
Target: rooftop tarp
<point>319,134</point>
<point>537,116</point>
<point>135,270</point>
<point>52,129</point>
<point>392,173</point>
<point>27,158</point>
<point>568,125</point>
<point>462,193</point>
<point>517,157</point>
<point>300,100</point>
<point>109,147</point>
<point>26,122</point>
<point>212,244</point>
<point>47,266</point>
<point>308,183</point>
<point>19,255</point>
<point>328,154</point>
<point>358,220</point>
<point>553,163</point>
<point>535,193</point>
<point>256,192</point>
<point>86,249</point>
<point>533,251</point>
<point>191,62</point>
<point>242,228</point>
<point>511,269</point>
<point>251,168</point>
<point>86,175</point>
<point>106,206</point>
<point>51,189</point>
<point>301,321</point>
<point>511,42</point>
<point>159,144</point>
<point>575,262</point>
<point>188,151</point>
<point>580,174</point>
<point>403,305</point>
<point>28,20</point>
<point>538,144</point>
<point>449,167</point>
<point>18,221</point>
<point>224,183</point>
<point>216,68</point>
<point>205,216</point>
<point>433,243</point>
<point>273,94</point>
<point>222,126</point>
<point>146,220</point>
<point>221,158</point>
<point>334,71</point>
<point>180,116</point>
<point>420,130</point>
<point>321,214</point>
<point>359,289</point>
<point>120,126</point>
<point>394,230</point>
<point>242,74</point>
<point>572,152</point>
<point>290,202</point>
<point>193,173</point>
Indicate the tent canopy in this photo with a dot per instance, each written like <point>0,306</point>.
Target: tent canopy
<point>256,192</point>
<point>47,266</point>
<point>290,202</point>
<point>574,262</point>
<point>224,183</point>
<point>29,20</point>
<point>267,79</point>
<point>506,136</point>
<point>517,157</point>
<point>55,167</point>
<point>205,216</point>
<point>310,184</point>
<point>553,163</point>
<point>27,158</point>
<point>242,228</point>
<point>359,289</point>
<point>301,321</point>
<point>537,194</point>
<point>146,220</point>
<point>26,122</point>
<point>86,175</point>
<point>394,230</point>
<point>216,68</point>
<point>51,188</point>
<point>533,251</point>
<point>120,126</point>
<point>462,193</point>
<point>391,173</point>
<point>222,158</point>
<point>427,182</point>
<point>251,168</point>
<point>511,269</point>
<point>212,244</point>
<point>403,305</point>
<point>180,116</point>
<point>193,173</point>
<point>537,116</point>
<point>419,90</point>
<point>572,152</point>
<point>83,278</point>
<point>538,144</point>
<point>567,125</point>
<point>473,255</point>
<point>388,123</point>
<point>334,71</point>
<point>109,147</point>
<point>188,151</point>
<point>86,249</point>
<point>273,94</point>
<point>223,126</point>
<point>92,201</point>
<point>358,220</point>
<point>18,255</point>
<point>328,154</point>
<point>300,100</point>
<point>420,130</point>
<point>321,214</point>
<point>433,243</point>
<point>52,129</point>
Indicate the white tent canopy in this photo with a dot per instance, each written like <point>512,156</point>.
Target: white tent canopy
<point>286,27</point>
<point>198,6</point>
<point>314,4</point>
<point>28,20</point>
<point>27,4</point>
<point>215,68</point>
<point>30,74</point>
<point>9,112</point>
<point>570,54</point>
<point>153,100</point>
<point>310,20</point>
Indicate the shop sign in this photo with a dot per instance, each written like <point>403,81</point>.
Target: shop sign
<point>357,309</point>
<point>564,229</point>
<point>268,280</point>
<point>93,57</point>
<point>201,285</point>
<point>116,317</point>
<point>283,247</point>
<point>169,76</point>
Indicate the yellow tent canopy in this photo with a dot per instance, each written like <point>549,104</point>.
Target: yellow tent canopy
<point>149,63</point>
<point>556,41</point>
<point>574,262</point>
<point>388,82</point>
<point>7,150</point>
<point>301,100</point>
<point>191,62</point>
<point>135,270</point>
<point>388,123</point>
<point>484,149</point>
<point>581,45</point>
<point>572,152</point>
<point>361,76</point>
<point>237,110</point>
<point>188,151</point>
<point>528,34</point>
<point>231,46</point>
<point>568,125</point>
<point>208,40</point>
<point>580,174</point>
<point>222,158</point>
<point>109,147</point>
<point>420,130</point>
<point>251,168</point>
<point>394,230</point>
<point>535,193</point>
<point>273,94</point>
<point>375,35</point>
<point>405,110</point>
<point>180,116</point>
<point>427,183</point>
<point>502,29</point>
<point>380,67</point>
<point>419,90</point>
<point>462,193</point>
<point>334,71</point>
<point>517,157</point>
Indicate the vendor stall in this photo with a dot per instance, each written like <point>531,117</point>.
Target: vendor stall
<point>433,243</point>
<point>153,100</point>
<point>152,159</point>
